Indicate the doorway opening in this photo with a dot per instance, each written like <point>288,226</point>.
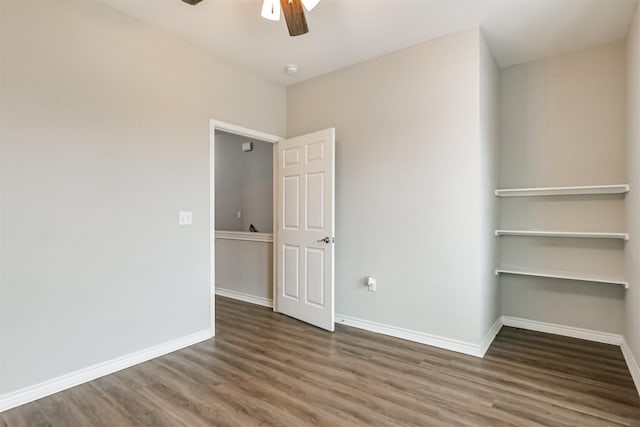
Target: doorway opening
<point>284,260</point>
<point>244,218</point>
<point>242,215</point>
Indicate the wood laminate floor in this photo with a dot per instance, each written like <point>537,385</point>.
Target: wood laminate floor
<point>267,369</point>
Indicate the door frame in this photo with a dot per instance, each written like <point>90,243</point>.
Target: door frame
<point>249,133</point>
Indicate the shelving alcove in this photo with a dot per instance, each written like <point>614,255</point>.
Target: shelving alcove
<point>563,191</point>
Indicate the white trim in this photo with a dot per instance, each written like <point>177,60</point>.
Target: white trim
<point>632,364</point>
<point>419,337</point>
<point>479,350</point>
<point>72,379</point>
<point>265,302</point>
<point>245,236</point>
<point>490,336</point>
<point>274,246</point>
<point>567,331</point>
<point>242,131</point>
<point>212,227</point>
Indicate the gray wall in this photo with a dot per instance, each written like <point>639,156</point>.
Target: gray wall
<point>411,168</point>
<point>563,123</point>
<point>105,137</point>
<point>244,181</point>
<point>489,145</point>
<point>105,133</point>
<point>245,267</point>
<point>632,321</point>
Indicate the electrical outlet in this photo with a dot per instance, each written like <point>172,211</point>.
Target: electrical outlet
<point>185,218</point>
<point>371,283</point>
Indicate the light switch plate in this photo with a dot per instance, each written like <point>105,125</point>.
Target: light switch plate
<point>185,218</point>
<point>372,283</point>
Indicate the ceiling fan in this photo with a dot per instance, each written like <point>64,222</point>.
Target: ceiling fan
<point>293,13</point>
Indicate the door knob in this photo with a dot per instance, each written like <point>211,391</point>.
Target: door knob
<point>325,240</point>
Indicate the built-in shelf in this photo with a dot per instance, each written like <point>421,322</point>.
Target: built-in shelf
<point>563,191</point>
<point>577,234</point>
<point>598,278</point>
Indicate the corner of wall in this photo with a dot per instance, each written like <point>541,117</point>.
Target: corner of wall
<point>632,299</point>
<point>632,363</point>
<point>489,138</point>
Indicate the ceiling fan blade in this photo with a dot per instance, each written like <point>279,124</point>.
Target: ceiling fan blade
<point>294,15</point>
<point>192,2</point>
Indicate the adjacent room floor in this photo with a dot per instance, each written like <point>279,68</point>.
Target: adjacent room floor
<point>267,369</point>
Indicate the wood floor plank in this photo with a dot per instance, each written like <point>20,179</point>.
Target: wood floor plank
<point>266,369</point>
<point>57,407</point>
<point>398,373</point>
<point>28,415</point>
<point>97,408</point>
<point>350,405</point>
<point>348,380</point>
<point>209,401</point>
<point>140,408</point>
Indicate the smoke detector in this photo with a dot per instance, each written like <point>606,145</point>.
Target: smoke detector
<point>291,69</point>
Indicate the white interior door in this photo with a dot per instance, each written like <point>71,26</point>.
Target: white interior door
<point>305,228</point>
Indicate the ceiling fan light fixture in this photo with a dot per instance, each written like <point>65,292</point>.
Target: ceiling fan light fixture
<point>310,4</point>
<point>271,10</point>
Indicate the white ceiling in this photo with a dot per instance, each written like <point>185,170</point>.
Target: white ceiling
<point>345,32</point>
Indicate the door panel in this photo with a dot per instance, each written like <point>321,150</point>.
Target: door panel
<point>315,277</point>
<point>305,228</point>
<point>315,202</point>
<point>290,267</point>
<point>291,203</point>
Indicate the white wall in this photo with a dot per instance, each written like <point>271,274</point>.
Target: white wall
<point>411,180</point>
<point>105,133</point>
<point>244,181</point>
<point>632,320</point>
<point>563,123</point>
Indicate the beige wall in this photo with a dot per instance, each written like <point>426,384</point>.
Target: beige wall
<point>563,123</point>
<point>411,172</point>
<point>632,321</point>
<point>105,133</point>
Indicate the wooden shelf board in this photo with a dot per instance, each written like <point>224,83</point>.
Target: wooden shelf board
<point>597,278</point>
<point>563,191</point>
<point>573,234</point>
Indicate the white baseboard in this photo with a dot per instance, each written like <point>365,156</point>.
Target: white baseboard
<point>632,364</point>
<point>63,382</point>
<point>567,331</point>
<point>265,302</point>
<point>490,336</point>
<point>471,349</point>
